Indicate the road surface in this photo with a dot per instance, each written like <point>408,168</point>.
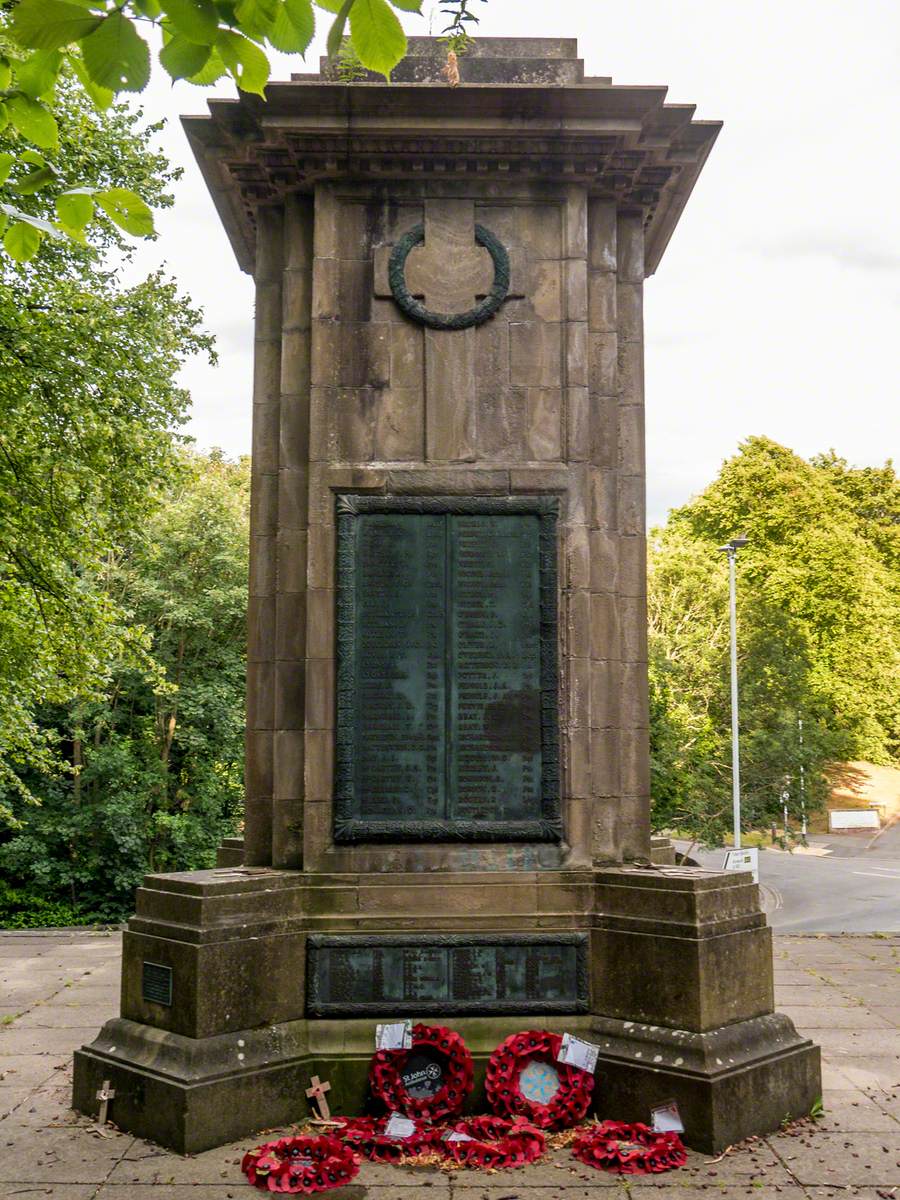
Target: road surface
<point>854,887</point>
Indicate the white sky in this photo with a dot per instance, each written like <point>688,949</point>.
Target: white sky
<point>775,308</point>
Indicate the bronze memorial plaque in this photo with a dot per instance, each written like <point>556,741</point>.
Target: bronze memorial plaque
<point>446,973</point>
<point>446,710</point>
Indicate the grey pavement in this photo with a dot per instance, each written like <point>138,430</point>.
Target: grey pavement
<point>56,990</point>
<point>850,883</point>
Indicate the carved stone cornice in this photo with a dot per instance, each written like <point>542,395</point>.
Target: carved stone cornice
<point>623,143</point>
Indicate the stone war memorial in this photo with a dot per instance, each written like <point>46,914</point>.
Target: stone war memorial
<point>447,779</point>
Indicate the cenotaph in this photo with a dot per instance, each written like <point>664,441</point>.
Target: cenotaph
<point>447,780</point>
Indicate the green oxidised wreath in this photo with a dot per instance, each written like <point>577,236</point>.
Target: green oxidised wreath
<point>474,316</point>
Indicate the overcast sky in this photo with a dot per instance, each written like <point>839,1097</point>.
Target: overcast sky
<point>775,308</point>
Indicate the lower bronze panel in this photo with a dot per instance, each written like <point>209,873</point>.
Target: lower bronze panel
<point>447,973</point>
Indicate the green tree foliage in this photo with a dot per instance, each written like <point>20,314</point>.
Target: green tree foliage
<point>105,45</point>
<point>819,634</point>
<point>88,403</point>
<point>159,757</point>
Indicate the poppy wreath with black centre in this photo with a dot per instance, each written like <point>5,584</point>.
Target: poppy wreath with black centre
<point>301,1165</point>
<point>495,1142</point>
<point>366,1135</point>
<point>569,1103</point>
<point>629,1149</point>
<point>386,1074</point>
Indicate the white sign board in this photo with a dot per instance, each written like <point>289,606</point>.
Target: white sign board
<point>743,860</point>
<point>853,818</point>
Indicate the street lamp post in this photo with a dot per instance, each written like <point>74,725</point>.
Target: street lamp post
<point>731,548</point>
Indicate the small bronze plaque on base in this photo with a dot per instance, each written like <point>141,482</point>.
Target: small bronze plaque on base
<point>156,983</point>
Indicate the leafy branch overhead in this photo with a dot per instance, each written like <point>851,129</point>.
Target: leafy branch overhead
<point>106,46</point>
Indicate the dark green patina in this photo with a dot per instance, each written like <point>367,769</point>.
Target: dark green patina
<point>446,691</point>
<point>447,973</point>
<point>434,320</point>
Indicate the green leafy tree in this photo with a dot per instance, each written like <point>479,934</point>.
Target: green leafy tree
<point>88,404</point>
<point>105,45</point>
<point>819,634</point>
<point>160,757</point>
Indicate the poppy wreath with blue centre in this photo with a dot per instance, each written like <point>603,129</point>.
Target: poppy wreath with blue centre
<point>366,1135</point>
<point>492,1142</point>
<point>447,1048</point>
<point>629,1149</point>
<point>301,1165</point>
<point>569,1102</point>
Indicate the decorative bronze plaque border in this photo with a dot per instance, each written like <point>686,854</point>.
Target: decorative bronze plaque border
<point>347,826</point>
<point>319,944</point>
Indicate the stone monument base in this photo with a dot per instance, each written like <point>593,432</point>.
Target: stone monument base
<point>222,971</point>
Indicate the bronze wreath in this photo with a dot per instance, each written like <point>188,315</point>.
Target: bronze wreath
<point>474,316</point>
<point>301,1164</point>
<point>565,1107</point>
<point>495,1142</point>
<point>367,1137</point>
<point>386,1074</point>
<point>629,1149</point>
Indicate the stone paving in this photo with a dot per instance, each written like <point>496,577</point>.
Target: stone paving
<point>57,989</point>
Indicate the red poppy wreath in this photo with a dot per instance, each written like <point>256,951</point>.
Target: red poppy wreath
<point>430,1080</point>
<point>367,1136</point>
<point>629,1149</point>
<point>301,1164</point>
<point>524,1079</point>
<point>493,1142</point>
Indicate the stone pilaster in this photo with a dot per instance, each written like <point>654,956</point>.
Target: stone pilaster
<point>631,585</point>
<point>264,525</point>
<point>298,607</point>
<point>603,542</point>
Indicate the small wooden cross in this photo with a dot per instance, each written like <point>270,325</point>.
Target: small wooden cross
<point>316,1092</point>
<point>105,1094</point>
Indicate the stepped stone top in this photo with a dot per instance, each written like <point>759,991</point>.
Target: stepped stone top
<point>523,112</point>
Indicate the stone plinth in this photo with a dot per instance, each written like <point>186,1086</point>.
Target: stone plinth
<point>377,222</point>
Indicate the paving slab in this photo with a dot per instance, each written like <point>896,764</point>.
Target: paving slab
<point>823,1158</point>
<point>819,1018</point>
<point>58,1155</point>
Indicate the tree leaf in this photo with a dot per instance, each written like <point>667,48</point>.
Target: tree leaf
<point>332,6</point>
<point>408,5</point>
<point>294,26</point>
<point>336,32</point>
<point>213,70</point>
<point>33,120</point>
<point>247,64</point>
<point>100,97</point>
<point>196,19</point>
<point>6,162</point>
<point>74,209</point>
<point>127,210</point>
<point>256,17</point>
<point>50,24</point>
<point>37,75</point>
<point>22,241</point>
<point>16,214</point>
<point>148,8</point>
<point>183,58</point>
<point>35,180</point>
<point>377,35</point>
<point>5,72</point>
<point>116,56</point>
